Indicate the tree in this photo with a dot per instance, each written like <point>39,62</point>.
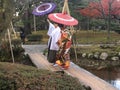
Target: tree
<point>104,9</point>
<point>6,14</point>
<point>25,8</point>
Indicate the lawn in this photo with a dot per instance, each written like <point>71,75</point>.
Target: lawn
<point>96,37</point>
<point>85,37</point>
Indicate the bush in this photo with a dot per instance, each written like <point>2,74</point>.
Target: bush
<point>17,49</point>
<point>16,42</point>
<point>5,51</point>
<point>34,37</point>
<point>115,27</point>
<point>21,77</point>
<point>6,83</point>
<point>5,54</point>
<point>117,31</point>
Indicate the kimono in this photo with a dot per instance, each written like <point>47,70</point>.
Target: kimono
<point>63,57</point>
<point>54,35</point>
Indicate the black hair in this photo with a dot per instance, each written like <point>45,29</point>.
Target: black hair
<point>61,25</point>
<point>22,29</point>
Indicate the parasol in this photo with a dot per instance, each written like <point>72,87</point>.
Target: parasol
<point>44,9</point>
<point>63,18</point>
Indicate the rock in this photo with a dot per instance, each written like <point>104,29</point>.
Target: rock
<point>90,55</point>
<point>115,58</point>
<point>103,56</point>
<point>84,55</point>
<point>119,54</point>
<point>118,42</point>
<point>96,55</point>
<point>105,46</point>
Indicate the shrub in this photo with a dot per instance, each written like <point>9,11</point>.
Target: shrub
<point>6,83</point>
<point>16,42</point>
<point>115,27</point>
<point>21,77</point>
<point>17,49</point>
<point>5,52</point>
<point>34,37</point>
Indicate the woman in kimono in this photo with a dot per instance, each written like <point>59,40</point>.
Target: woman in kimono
<point>54,34</point>
<point>63,57</point>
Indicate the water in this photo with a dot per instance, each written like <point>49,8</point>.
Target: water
<point>112,76</point>
<point>116,83</point>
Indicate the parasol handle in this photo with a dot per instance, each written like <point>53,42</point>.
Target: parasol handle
<point>48,20</point>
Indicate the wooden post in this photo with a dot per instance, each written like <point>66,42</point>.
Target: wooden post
<point>9,38</point>
<point>66,10</point>
<point>34,22</point>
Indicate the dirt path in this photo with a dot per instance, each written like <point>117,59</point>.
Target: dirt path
<point>85,77</point>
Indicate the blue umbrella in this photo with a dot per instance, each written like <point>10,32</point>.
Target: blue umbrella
<point>44,9</point>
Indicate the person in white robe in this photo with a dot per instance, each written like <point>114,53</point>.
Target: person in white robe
<point>54,33</point>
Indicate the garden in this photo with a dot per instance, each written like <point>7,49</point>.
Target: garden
<point>95,43</point>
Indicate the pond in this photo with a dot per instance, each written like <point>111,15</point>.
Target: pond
<point>111,75</point>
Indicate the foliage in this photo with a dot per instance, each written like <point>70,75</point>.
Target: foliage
<point>25,8</point>
<point>97,24</point>
<point>34,37</point>
<point>6,83</point>
<point>6,13</point>
<point>25,59</point>
<point>26,77</point>
<point>115,27</point>
<point>102,9</point>
<point>5,52</point>
<point>37,37</point>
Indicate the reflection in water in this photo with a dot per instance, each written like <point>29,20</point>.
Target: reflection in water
<point>116,83</point>
<point>110,75</point>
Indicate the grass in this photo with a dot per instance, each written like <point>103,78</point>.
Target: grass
<point>86,37</point>
<point>96,37</point>
<point>23,77</point>
<point>94,48</point>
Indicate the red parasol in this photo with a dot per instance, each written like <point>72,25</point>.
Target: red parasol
<point>63,18</point>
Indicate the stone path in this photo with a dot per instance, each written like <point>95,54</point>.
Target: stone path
<point>85,77</point>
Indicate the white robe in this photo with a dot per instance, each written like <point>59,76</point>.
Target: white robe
<point>55,34</point>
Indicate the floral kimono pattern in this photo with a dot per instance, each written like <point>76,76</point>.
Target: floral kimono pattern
<point>63,56</point>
